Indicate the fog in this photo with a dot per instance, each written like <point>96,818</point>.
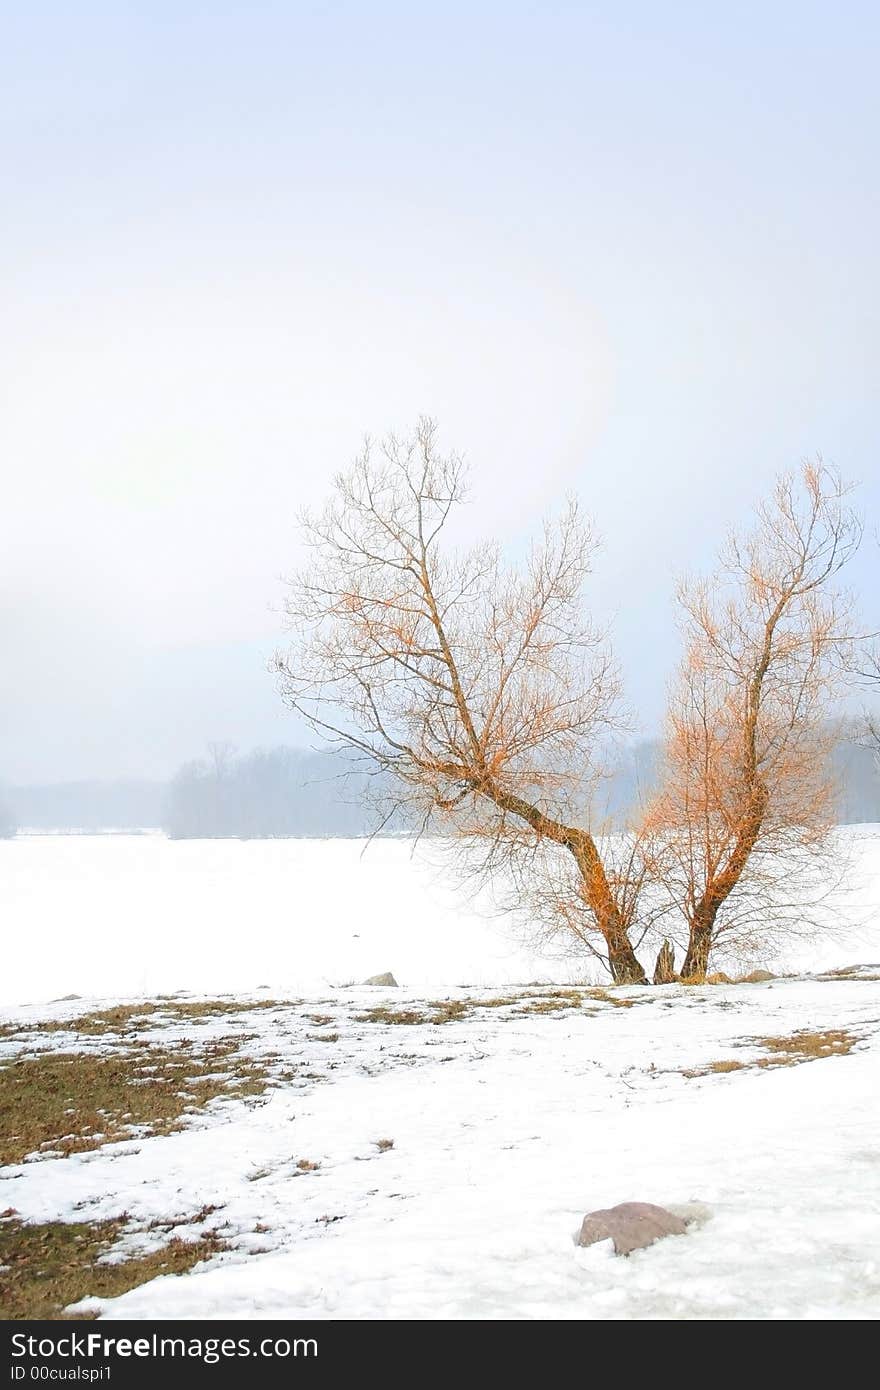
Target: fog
<point>281,792</point>
<point>626,252</point>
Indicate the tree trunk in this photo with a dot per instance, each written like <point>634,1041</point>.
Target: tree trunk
<point>625,968</point>
<point>664,970</point>
<point>721,885</point>
<point>624,963</point>
<point>696,961</point>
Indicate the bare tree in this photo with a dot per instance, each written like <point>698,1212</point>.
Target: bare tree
<point>870,675</point>
<point>746,803</point>
<point>480,687</point>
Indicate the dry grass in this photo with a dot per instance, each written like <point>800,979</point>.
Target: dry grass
<point>806,1046</point>
<point>52,1265</point>
<point>382,1014</point>
<point>603,997</point>
<point>714,1068</point>
<point>553,1002</point>
<point>123,1019</point>
<point>449,1010</point>
<point>544,1001</point>
<point>58,1103</point>
<point>788,1051</point>
<point>441,1011</point>
<point>65,1102</point>
<point>500,1001</point>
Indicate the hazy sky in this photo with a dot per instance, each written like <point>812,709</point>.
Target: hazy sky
<point>630,249</point>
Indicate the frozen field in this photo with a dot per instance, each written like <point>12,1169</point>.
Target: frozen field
<point>429,1152</point>
<point>508,1124</point>
<point>126,915</point>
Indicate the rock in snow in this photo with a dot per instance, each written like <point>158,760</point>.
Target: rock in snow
<point>631,1225</point>
<point>386,979</point>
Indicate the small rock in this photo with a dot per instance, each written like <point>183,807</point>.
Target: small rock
<point>386,979</point>
<point>630,1225</point>
<point>66,999</point>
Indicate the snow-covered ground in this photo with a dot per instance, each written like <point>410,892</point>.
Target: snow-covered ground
<point>506,1129</point>
<point>507,1124</point>
<point>113,915</point>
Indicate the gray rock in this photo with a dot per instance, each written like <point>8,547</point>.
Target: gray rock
<point>386,979</point>
<point>630,1225</point>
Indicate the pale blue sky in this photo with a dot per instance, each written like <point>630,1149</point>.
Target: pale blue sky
<point>629,249</point>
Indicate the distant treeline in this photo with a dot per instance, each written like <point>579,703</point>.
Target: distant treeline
<point>291,792</point>
<point>267,793</point>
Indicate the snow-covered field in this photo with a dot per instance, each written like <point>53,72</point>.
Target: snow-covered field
<point>125,915</point>
<point>508,1123</point>
<point>103,915</point>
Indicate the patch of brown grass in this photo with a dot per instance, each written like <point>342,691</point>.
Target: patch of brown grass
<point>553,1002</point>
<point>68,1102</point>
<point>449,1010</point>
<point>54,1264</point>
<point>717,1068</point>
<point>453,1010</point>
<point>382,1014</point>
<point>603,997</point>
<point>806,1046</point>
<point>127,1018</point>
